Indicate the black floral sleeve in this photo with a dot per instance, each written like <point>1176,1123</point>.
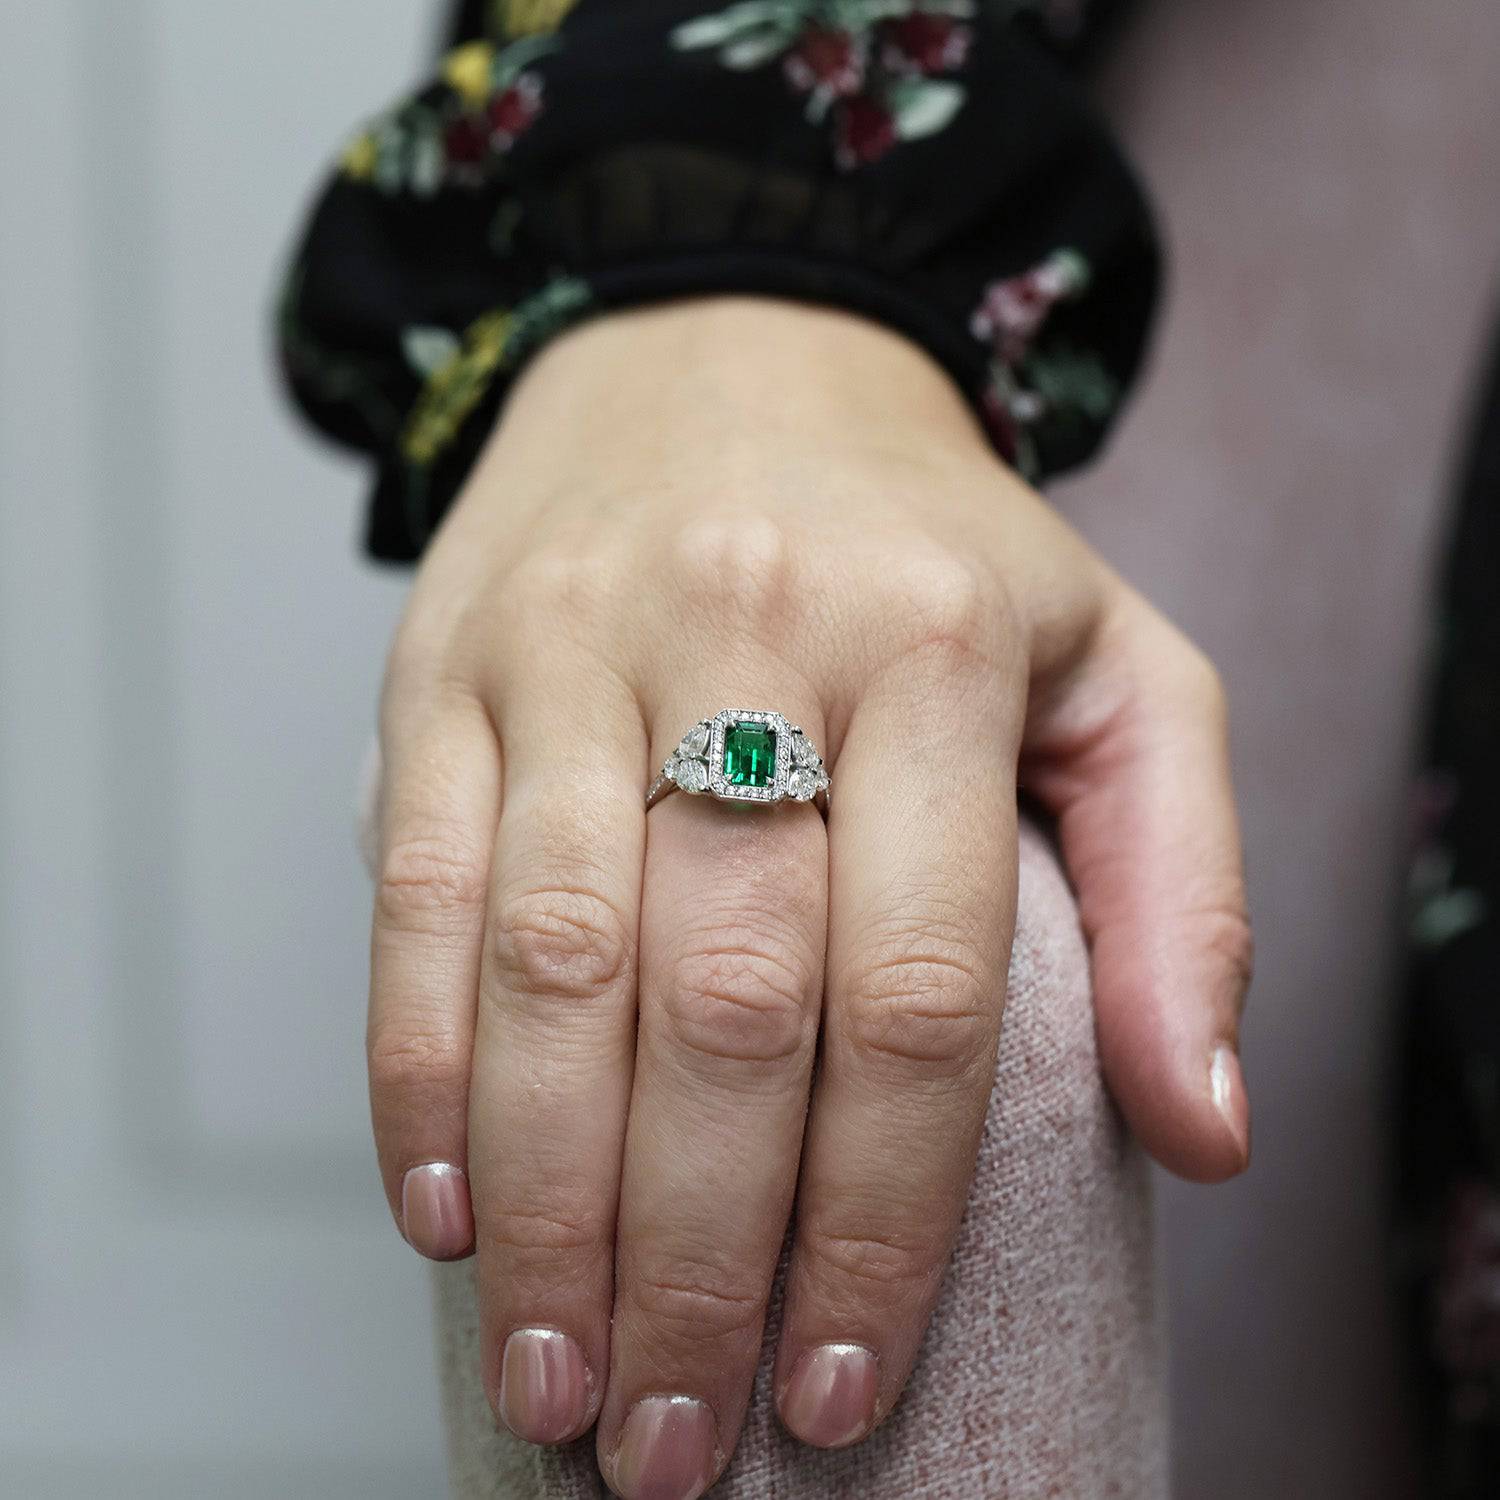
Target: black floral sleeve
<point>931,164</point>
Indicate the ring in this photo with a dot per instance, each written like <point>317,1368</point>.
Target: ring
<point>744,755</point>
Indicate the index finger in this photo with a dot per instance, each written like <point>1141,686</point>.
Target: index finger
<point>439,804</point>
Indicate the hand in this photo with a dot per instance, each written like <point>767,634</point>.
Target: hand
<point>609,1022</point>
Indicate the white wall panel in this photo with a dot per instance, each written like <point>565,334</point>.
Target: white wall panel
<point>199,1286</point>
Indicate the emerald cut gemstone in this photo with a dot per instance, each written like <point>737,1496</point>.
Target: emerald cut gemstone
<point>749,754</point>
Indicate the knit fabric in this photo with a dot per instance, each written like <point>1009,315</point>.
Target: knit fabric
<point>1042,1374</point>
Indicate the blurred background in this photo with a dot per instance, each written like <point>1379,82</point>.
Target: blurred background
<point>200,1289</point>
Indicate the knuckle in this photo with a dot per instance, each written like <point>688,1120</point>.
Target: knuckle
<point>741,1002</point>
<point>689,1299</point>
<point>925,1014</point>
<point>1203,681</point>
<point>546,582</point>
<point>406,1060</point>
<point>427,882</point>
<point>1226,933</point>
<point>745,564</point>
<point>560,943</point>
<point>1167,665</point>
<point>947,600</point>
<point>539,1234</point>
<point>426,661</point>
<point>1187,673</point>
<point>888,1262</point>
<point>412,663</point>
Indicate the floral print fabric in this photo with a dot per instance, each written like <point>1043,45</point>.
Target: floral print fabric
<point>932,164</point>
<point>875,69</point>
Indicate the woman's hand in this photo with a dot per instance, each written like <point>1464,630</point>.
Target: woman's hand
<point>609,1022</point>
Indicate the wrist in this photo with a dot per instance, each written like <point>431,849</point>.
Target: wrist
<point>716,374</point>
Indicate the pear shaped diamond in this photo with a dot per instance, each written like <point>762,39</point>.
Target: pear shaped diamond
<point>803,753</point>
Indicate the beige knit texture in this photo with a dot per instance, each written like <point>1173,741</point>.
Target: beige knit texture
<point>1042,1374</point>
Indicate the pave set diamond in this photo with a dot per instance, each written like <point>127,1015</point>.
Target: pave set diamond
<point>748,755</point>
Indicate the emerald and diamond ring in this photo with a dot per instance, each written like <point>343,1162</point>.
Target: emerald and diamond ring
<point>744,755</point>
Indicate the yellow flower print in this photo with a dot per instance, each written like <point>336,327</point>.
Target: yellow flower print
<point>359,158</point>
<point>466,70</point>
<point>455,387</point>
<point>531,17</point>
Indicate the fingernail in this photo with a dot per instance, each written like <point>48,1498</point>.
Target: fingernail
<point>544,1385</point>
<point>436,1215</point>
<point>1227,1085</point>
<point>668,1450</point>
<point>830,1399</point>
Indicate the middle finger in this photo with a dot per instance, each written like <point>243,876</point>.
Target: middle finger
<point>733,928</point>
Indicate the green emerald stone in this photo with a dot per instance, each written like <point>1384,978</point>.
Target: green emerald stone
<point>750,754</point>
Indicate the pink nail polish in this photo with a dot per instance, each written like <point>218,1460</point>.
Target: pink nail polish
<point>436,1215</point>
<point>544,1385</point>
<point>668,1450</point>
<point>1226,1084</point>
<point>830,1399</point>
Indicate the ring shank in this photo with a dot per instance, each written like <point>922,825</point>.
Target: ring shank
<point>664,786</point>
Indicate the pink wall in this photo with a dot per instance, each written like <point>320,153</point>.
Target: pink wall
<point>1329,177</point>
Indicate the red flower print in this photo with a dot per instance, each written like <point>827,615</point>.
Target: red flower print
<point>863,131</point>
<point>1013,311</point>
<point>867,69</point>
<point>922,43</point>
<point>512,111</point>
<point>827,61</point>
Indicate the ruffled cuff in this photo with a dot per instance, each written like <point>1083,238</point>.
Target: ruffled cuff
<point>925,163</point>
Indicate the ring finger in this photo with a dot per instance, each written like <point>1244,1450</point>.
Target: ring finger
<point>733,927</point>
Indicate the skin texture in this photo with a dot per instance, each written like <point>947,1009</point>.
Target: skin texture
<point>609,1023</point>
